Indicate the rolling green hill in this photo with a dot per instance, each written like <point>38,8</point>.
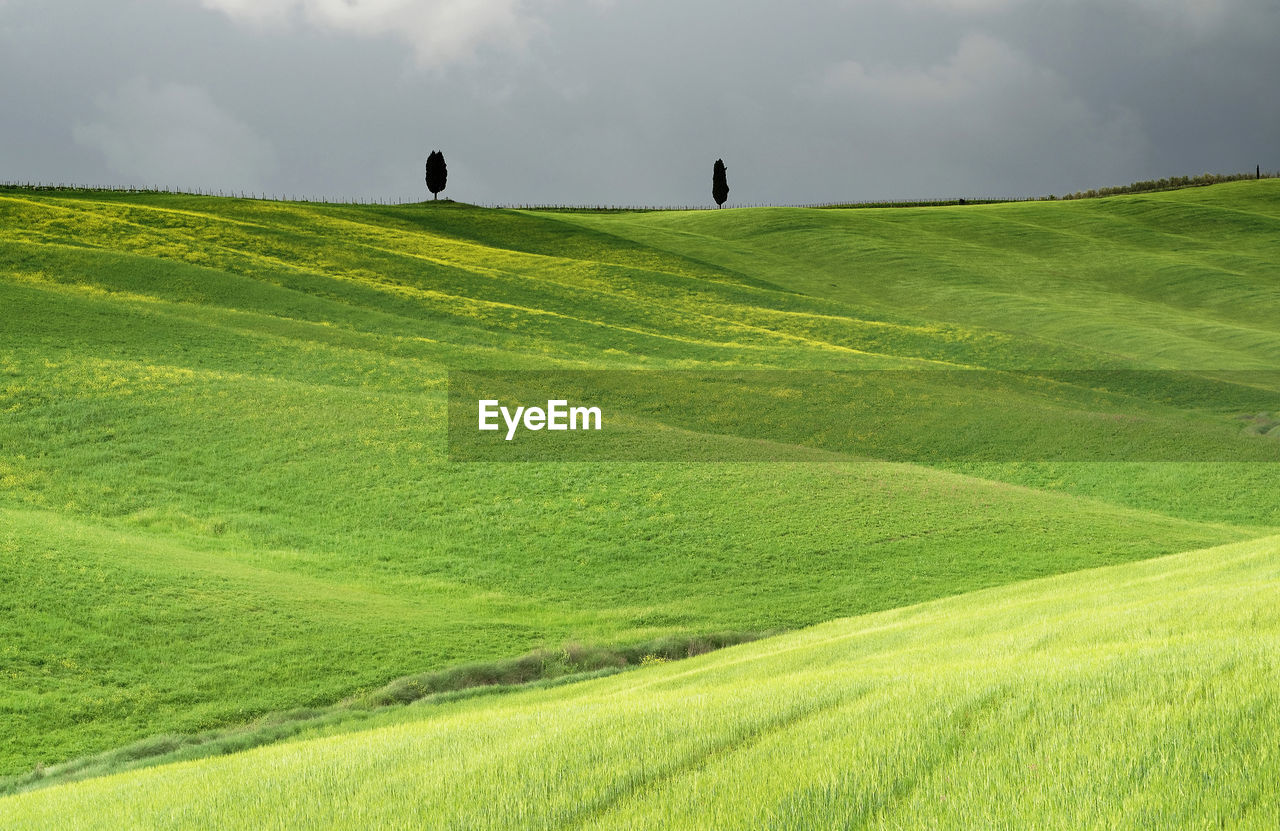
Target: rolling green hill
<point>1131,696</point>
<point>224,489</point>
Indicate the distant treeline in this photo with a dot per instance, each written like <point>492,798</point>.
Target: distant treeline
<point>1172,183</point>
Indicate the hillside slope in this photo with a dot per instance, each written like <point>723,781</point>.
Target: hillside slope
<point>1140,695</point>
<point>223,486</point>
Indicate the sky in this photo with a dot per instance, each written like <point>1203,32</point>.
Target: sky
<point>630,102</point>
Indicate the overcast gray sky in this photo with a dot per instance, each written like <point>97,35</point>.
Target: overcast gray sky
<point>630,101</point>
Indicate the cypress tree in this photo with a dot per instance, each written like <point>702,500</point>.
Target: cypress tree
<point>437,173</point>
<point>719,183</point>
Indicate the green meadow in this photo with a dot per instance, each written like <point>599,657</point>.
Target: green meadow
<point>1134,696</point>
<point>226,493</point>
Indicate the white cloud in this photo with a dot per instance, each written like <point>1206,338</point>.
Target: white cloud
<point>987,113</point>
<point>175,135</point>
<point>439,31</point>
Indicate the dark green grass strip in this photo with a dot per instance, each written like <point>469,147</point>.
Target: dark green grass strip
<point>538,669</point>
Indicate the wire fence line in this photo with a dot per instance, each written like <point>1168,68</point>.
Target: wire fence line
<point>262,196</point>
<point>1148,186</point>
<point>518,206</point>
<point>903,203</point>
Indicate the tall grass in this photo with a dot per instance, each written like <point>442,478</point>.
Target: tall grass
<point>1142,695</point>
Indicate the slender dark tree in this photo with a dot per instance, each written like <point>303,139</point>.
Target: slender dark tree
<point>719,183</point>
<point>437,173</point>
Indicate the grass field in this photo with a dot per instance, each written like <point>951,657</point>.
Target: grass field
<point>1132,696</point>
<point>223,481</point>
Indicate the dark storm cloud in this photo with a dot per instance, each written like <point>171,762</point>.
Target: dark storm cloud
<point>630,102</point>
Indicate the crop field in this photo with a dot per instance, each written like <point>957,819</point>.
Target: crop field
<point>226,493</point>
